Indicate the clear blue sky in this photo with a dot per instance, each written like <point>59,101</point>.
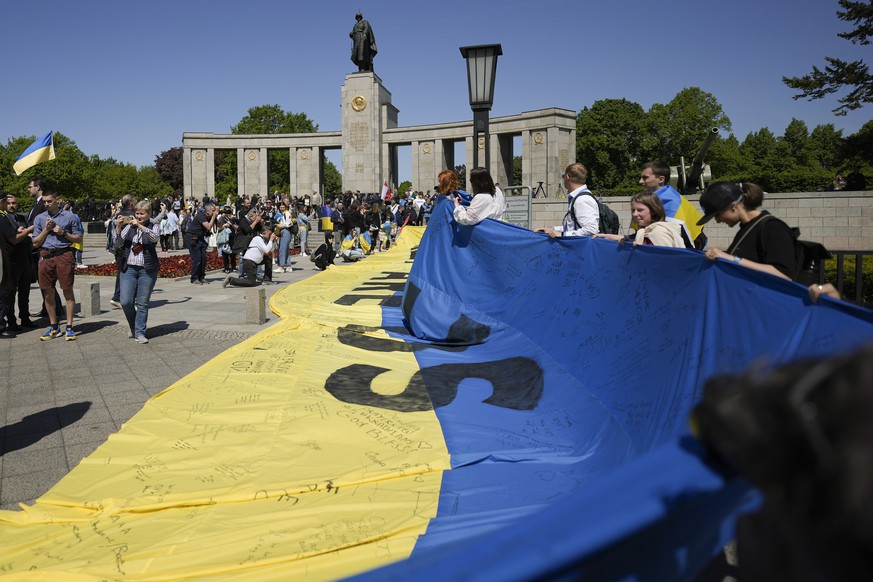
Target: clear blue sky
<point>126,79</point>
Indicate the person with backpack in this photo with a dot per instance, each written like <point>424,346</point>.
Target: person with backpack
<point>583,214</point>
<point>764,243</point>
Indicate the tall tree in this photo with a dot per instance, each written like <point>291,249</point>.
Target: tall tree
<point>168,165</point>
<point>839,74</point>
<point>796,137</point>
<point>679,127</point>
<point>272,119</point>
<point>609,138</point>
<point>727,161</point>
<point>333,180</point>
<point>826,146</point>
<point>858,149</point>
<point>268,120</point>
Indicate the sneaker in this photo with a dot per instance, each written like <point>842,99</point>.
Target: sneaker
<point>304,254</point>
<point>71,335</point>
<point>115,304</point>
<point>51,333</point>
<point>226,281</point>
<point>81,266</point>
<point>196,282</point>
<point>141,339</point>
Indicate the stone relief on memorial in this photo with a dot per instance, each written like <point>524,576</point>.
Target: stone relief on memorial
<point>359,135</point>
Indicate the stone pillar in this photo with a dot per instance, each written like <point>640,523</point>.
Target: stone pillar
<point>501,159</point>
<point>89,299</point>
<point>303,182</point>
<point>186,173</point>
<point>468,161</point>
<point>316,171</point>
<point>292,170</point>
<point>251,169</point>
<point>264,172</point>
<point>210,173</point>
<point>256,306</point>
<point>200,173</point>
<point>240,172</point>
<point>366,112</point>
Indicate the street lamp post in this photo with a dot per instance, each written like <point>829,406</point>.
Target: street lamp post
<point>481,72</point>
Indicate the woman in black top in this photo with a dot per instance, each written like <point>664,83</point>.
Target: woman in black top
<point>764,243</point>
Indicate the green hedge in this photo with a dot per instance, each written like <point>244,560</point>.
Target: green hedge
<point>849,277</point>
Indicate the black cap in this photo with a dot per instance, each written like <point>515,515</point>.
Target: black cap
<point>717,198</point>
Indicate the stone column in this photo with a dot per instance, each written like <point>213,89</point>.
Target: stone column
<point>200,174</point>
<point>252,171</point>
<point>501,159</point>
<point>186,173</point>
<point>264,172</point>
<point>210,173</point>
<point>240,172</point>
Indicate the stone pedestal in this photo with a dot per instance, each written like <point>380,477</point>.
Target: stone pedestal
<point>256,306</point>
<point>89,299</point>
<point>367,112</point>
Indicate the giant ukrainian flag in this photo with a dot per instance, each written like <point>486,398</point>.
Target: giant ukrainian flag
<point>42,150</point>
<point>489,404</point>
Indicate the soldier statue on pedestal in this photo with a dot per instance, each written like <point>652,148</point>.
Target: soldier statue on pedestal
<point>363,44</point>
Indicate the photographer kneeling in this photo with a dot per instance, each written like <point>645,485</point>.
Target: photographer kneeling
<point>260,250</point>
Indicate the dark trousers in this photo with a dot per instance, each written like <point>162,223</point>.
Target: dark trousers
<point>5,307</point>
<point>229,262</point>
<point>21,278</point>
<point>250,273</point>
<point>198,259</point>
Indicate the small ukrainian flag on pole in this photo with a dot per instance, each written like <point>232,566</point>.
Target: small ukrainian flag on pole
<point>42,150</point>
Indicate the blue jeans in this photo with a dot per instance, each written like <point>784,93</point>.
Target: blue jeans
<point>303,237</point>
<point>284,243</point>
<point>136,289</point>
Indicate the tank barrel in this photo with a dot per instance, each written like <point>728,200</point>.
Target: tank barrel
<point>690,185</point>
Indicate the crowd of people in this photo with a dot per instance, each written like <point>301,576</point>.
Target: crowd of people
<point>43,246</point>
<point>255,232</point>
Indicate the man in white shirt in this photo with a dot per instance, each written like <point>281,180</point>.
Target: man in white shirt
<point>260,250</point>
<point>583,214</point>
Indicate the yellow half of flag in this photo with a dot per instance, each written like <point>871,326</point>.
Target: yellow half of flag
<point>42,150</point>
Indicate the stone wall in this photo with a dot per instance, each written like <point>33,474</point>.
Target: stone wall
<point>838,220</point>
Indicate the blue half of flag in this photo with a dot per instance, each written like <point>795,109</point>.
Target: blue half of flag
<point>42,150</point>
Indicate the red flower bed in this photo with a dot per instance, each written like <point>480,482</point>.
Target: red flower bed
<point>172,266</point>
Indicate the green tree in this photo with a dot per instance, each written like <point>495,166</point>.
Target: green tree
<point>168,165</point>
<point>858,147</point>
<point>826,145</point>
<point>726,160</point>
<point>403,188</point>
<point>269,120</point>
<point>609,138</point>
<point>839,74</point>
<point>796,137</point>
<point>516,170</point>
<point>333,180</point>
<point>679,127</point>
<point>272,119</point>
<point>225,175</point>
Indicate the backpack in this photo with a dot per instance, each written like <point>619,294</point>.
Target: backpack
<point>607,219</point>
<point>223,236</point>
<point>809,255</point>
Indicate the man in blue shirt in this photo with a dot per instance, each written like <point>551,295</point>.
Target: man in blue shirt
<point>54,232</point>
